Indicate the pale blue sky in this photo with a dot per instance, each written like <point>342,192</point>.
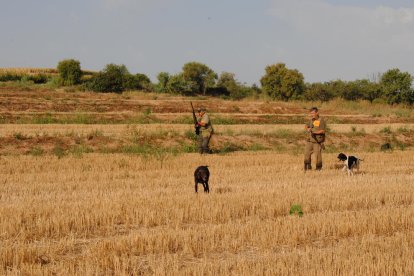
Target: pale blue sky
<point>324,39</point>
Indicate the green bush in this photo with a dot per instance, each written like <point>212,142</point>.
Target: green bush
<point>10,77</point>
<point>70,71</point>
<point>116,78</point>
<point>199,75</point>
<point>137,82</point>
<point>111,79</point>
<point>404,130</point>
<point>163,78</point>
<point>53,82</point>
<point>36,151</point>
<point>58,151</point>
<point>178,85</point>
<point>397,86</point>
<point>39,78</point>
<point>319,92</point>
<point>282,83</point>
<point>386,130</point>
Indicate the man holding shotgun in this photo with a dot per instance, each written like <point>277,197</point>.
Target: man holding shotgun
<point>203,129</point>
<point>316,128</point>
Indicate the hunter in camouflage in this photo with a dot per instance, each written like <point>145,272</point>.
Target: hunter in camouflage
<point>316,128</point>
<point>206,131</point>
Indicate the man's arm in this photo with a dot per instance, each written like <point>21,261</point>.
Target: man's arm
<point>322,131</point>
<point>307,127</point>
<point>201,123</point>
<point>204,120</point>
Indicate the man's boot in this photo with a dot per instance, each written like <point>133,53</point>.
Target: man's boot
<point>319,167</point>
<point>308,166</point>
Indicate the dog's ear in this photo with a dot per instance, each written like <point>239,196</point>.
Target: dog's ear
<point>342,156</point>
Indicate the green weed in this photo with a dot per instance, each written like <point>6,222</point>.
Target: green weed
<point>36,151</point>
<point>296,209</point>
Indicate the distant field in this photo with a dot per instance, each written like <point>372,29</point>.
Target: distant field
<point>29,71</point>
<point>122,214</point>
<point>33,71</point>
<point>102,184</point>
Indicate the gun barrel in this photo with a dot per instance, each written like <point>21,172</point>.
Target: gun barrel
<point>197,128</point>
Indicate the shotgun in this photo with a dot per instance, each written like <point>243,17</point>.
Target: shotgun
<point>196,126</point>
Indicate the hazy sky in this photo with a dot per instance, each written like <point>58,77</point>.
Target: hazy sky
<point>323,39</point>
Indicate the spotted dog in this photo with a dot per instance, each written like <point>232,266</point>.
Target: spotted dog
<point>350,162</point>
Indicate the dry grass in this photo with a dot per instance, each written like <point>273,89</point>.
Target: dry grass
<point>35,71</point>
<point>121,129</point>
<point>28,71</point>
<point>135,138</point>
<point>123,215</point>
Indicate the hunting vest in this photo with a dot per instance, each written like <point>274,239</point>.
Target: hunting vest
<point>316,125</point>
<point>206,130</point>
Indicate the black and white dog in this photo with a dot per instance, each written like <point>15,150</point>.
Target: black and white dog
<point>350,162</point>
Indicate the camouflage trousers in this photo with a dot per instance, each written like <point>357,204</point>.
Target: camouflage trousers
<point>203,141</point>
<point>310,148</point>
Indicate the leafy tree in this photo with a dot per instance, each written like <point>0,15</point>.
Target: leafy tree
<point>370,91</point>
<point>279,82</point>
<point>111,79</point>
<point>256,89</point>
<point>69,71</point>
<point>137,82</point>
<point>233,88</point>
<point>228,82</point>
<point>353,91</point>
<point>199,75</point>
<point>319,92</point>
<point>143,80</point>
<point>163,79</point>
<point>397,86</point>
<point>338,87</point>
<point>177,84</point>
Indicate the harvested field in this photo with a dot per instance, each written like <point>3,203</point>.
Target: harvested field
<point>127,215</point>
<point>102,184</point>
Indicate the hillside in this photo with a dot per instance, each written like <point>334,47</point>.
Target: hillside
<point>136,122</point>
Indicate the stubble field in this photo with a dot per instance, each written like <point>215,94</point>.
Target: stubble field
<point>133,213</point>
<point>125,215</point>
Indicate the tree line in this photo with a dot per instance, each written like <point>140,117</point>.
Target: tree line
<point>393,87</point>
<point>278,83</point>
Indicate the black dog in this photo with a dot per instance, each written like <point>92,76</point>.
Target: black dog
<point>350,162</point>
<point>201,175</point>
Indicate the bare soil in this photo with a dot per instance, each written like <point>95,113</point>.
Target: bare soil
<point>19,106</point>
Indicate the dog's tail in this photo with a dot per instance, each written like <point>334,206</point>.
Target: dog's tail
<point>360,159</point>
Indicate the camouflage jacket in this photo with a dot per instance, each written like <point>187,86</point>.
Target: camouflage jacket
<point>316,125</point>
<point>207,129</point>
